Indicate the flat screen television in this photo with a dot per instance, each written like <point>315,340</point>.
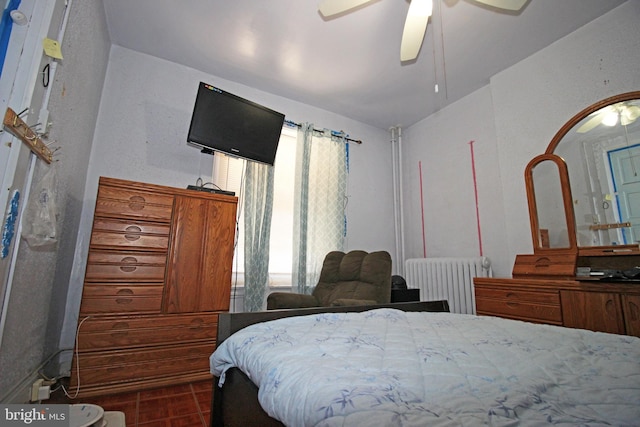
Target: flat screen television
<point>233,125</point>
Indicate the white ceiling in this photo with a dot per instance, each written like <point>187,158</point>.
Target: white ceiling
<point>349,64</point>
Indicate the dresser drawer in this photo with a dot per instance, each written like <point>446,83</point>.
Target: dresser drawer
<point>130,235</point>
<point>537,305</point>
<point>131,228</point>
<point>133,241</point>
<point>118,202</point>
<point>142,364</point>
<point>517,295</point>
<point>98,334</point>
<point>121,298</point>
<point>514,309</point>
<point>124,267</point>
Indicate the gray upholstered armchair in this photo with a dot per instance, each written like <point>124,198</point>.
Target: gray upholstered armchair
<point>354,278</point>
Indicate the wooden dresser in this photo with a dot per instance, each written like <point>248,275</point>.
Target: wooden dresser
<point>158,273</point>
<point>604,306</point>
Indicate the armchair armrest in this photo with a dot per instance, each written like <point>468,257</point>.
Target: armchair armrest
<point>278,300</point>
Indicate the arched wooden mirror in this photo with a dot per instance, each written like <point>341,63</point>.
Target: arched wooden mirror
<point>584,193</point>
<point>550,208</point>
<point>601,148</point>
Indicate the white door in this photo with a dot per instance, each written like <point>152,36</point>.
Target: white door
<point>625,171</point>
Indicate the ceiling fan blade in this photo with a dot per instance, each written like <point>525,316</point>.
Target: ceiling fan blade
<point>333,7</point>
<point>414,28</point>
<point>592,122</point>
<point>504,4</point>
<point>629,115</point>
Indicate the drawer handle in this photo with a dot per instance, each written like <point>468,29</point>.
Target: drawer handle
<point>128,268</point>
<point>543,262</point>
<point>136,203</point>
<point>633,311</point>
<point>124,292</point>
<point>119,334</point>
<point>120,325</point>
<point>132,233</point>
<point>610,307</point>
<point>132,237</point>
<point>512,304</point>
<point>196,323</point>
<point>124,301</point>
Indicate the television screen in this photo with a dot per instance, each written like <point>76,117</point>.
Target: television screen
<point>230,124</point>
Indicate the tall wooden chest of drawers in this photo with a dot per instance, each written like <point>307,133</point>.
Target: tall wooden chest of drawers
<point>158,273</point>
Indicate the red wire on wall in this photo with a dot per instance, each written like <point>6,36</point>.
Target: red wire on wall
<point>424,242</point>
<point>475,190</point>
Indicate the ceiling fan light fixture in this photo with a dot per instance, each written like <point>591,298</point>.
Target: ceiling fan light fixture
<point>423,8</point>
<point>610,119</point>
<point>416,22</point>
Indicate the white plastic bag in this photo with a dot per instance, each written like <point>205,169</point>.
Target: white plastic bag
<point>39,225</point>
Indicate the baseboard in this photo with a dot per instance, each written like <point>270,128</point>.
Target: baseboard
<point>21,393</point>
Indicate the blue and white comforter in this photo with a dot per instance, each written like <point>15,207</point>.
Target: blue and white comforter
<point>390,368</point>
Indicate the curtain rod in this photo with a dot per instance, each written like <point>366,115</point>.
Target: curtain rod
<point>333,132</point>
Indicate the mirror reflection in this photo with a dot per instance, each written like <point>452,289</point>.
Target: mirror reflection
<point>602,152</point>
<point>552,227</point>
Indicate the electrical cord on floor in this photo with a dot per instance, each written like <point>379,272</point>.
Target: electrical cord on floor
<point>77,363</point>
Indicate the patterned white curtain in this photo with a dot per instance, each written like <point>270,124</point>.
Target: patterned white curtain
<point>319,203</point>
<point>258,208</point>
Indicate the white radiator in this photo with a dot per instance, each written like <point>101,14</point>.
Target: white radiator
<point>447,278</point>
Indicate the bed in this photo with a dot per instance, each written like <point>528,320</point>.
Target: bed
<point>387,366</point>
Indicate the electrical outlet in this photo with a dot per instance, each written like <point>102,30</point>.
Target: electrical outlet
<point>44,392</point>
<point>35,389</point>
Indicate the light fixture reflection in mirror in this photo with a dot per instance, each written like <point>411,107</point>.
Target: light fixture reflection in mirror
<point>601,148</point>
<point>625,112</point>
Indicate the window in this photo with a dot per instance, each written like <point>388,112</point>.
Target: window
<point>228,174</point>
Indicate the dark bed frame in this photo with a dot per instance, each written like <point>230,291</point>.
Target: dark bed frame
<point>236,404</point>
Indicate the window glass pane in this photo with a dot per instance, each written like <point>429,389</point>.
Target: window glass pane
<point>281,243</point>
<point>228,175</point>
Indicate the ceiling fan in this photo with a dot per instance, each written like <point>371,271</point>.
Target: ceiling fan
<point>416,22</point>
<point>626,112</point>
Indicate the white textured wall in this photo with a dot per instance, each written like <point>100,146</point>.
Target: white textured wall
<point>141,134</point>
<point>512,120</point>
<point>442,144</point>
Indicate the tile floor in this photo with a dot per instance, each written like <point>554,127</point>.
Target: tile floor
<point>185,405</point>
